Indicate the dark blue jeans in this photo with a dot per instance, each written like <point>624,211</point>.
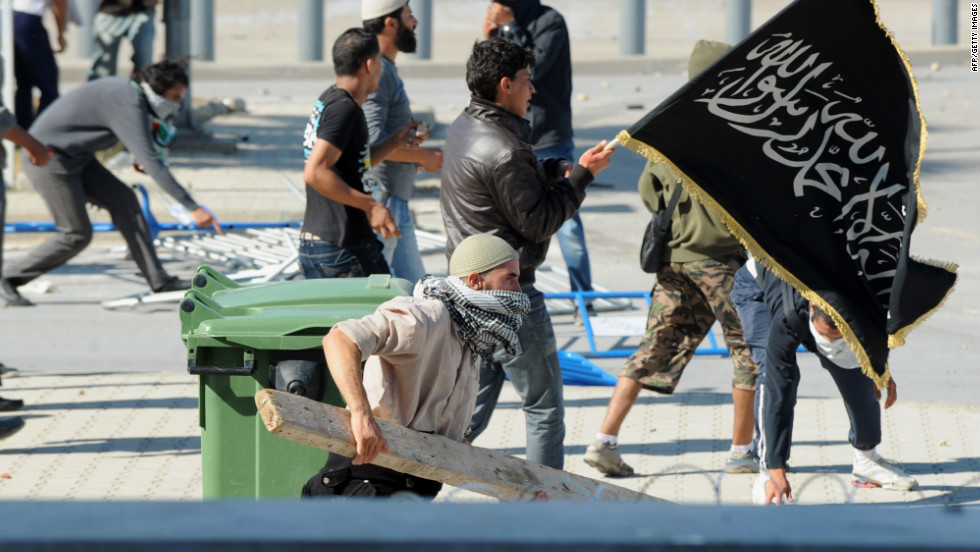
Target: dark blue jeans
<point>571,235</point>
<point>863,411</point>
<point>754,314</point>
<point>536,375</point>
<point>320,259</point>
<point>34,67</point>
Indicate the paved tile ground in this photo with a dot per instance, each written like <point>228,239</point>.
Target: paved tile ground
<point>129,436</point>
<point>110,415</point>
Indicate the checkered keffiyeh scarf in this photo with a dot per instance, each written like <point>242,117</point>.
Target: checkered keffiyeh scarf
<point>481,318</point>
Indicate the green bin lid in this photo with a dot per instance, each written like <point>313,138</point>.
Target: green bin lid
<point>279,315</point>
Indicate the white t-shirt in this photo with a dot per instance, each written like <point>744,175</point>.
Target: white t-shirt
<point>33,7</point>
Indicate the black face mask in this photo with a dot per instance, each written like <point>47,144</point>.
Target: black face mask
<point>405,39</point>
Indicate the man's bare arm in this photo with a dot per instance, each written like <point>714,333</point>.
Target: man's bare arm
<point>344,361</point>
<point>430,159</point>
<point>398,141</point>
<point>318,174</point>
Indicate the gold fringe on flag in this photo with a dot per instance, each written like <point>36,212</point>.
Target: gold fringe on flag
<point>897,339</point>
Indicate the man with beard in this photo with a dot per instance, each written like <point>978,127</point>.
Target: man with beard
<point>387,110</point>
<point>339,225</point>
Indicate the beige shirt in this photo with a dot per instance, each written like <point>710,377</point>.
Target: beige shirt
<point>417,372</point>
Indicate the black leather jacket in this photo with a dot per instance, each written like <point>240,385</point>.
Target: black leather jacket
<point>493,184</point>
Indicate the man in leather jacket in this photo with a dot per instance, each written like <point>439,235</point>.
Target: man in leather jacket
<point>542,29</point>
<point>492,182</point>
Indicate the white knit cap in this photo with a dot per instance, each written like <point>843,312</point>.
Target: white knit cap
<point>372,9</point>
<point>479,253</point>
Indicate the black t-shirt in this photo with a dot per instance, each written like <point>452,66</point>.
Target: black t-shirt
<point>125,7</point>
<point>338,119</point>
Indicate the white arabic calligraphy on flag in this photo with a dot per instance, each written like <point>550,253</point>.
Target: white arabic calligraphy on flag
<point>805,140</point>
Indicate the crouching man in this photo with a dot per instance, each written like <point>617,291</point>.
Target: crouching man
<point>795,321</point>
<point>421,356</point>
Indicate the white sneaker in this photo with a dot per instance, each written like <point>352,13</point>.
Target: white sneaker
<point>759,489</point>
<point>881,472</point>
<point>607,459</point>
<point>742,462</point>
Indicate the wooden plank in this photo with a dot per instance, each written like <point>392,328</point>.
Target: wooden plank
<point>476,469</point>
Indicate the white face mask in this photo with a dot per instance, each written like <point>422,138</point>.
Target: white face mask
<point>836,351</point>
<point>162,107</point>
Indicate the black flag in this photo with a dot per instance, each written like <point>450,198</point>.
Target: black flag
<point>806,140</point>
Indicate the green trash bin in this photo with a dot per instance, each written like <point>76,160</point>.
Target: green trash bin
<point>243,338</point>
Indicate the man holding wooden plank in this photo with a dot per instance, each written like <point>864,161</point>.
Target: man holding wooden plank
<point>420,368</point>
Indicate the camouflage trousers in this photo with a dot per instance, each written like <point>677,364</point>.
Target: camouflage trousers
<point>686,301</point>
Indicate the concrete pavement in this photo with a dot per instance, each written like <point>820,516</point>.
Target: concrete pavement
<point>134,436</point>
<point>111,413</point>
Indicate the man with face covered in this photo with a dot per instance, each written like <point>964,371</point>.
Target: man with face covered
<point>795,321</point>
<point>415,361</point>
<point>87,120</point>
<point>386,110</point>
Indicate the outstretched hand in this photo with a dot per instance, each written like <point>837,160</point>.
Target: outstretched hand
<point>204,219</point>
<point>596,158</point>
<point>431,159</point>
<point>409,136</point>
<point>39,156</point>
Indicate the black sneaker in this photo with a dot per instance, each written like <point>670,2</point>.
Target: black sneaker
<point>8,371</point>
<point>9,405</point>
<point>9,426</point>
<point>12,297</point>
<point>174,284</point>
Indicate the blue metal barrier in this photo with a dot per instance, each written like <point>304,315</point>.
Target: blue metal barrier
<point>155,226</point>
<point>580,296</point>
<point>577,369</point>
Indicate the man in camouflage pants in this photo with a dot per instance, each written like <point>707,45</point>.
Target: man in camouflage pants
<point>687,299</point>
<point>693,290</point>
